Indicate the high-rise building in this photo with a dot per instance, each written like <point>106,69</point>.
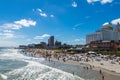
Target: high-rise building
<point>51,41</point>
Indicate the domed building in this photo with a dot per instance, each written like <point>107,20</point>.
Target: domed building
<point>105,39</point>
<point>106,33</point>
<point>107,26</point>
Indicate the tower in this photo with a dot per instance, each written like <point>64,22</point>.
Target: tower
<point>51,41</point>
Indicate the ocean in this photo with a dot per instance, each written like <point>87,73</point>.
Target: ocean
<point>17,66</point>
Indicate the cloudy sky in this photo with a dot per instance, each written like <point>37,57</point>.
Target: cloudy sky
<point>33,21</point>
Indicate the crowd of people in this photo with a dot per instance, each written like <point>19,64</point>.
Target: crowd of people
<point>86,57</point>
<point>82,57</point>
<point>50,54</point>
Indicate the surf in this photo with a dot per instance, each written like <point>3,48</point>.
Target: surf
<point>34,70</point>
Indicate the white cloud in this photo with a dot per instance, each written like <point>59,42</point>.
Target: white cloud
<point>106,1</point>
<point>101,1</point>
<point>43,14</point>
<point>39,10</point>
<point>52,16</point>
<point>25,23</point>
<point>79,40</point>
<point>115,21</point>
<point>11,26</point>
<point>7,35</point>
<point>76,26</point>
<point>7,31</point>
<point>79,24</point>
<point>6,43</point>
<point>91,1</point>
<point>19,24</point>
<point>105,23</point>
<point>74,4</point>
<point>42,36</point>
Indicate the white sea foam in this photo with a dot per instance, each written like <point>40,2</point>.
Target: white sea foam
<point>35,70</point>
<point>3,76</point>
<point>14,54</point>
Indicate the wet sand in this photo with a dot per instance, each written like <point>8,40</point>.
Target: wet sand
<point>108,75</point>
<point>85,73</point>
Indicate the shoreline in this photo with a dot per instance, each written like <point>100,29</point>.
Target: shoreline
<point>105,71</point>
<point>108,75</point>
<point>88,65</point>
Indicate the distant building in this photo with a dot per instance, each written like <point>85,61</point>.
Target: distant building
<point>66,46</point>
<point>57,44</point>
<point>51,41</point>
<point>23,46</point>
<point>106,33</point>
<point>31,45</point>
<point>43,44</point>
<point>38,46</point>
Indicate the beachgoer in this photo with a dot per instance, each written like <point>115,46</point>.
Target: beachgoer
<point>102,77</point>
<point>100,71</point>
<point>87,68</point>
<point>49,59</point>
<point>73,73</point>
<point>64,59</point>
<point>84,67</point>
<point>90,67</point>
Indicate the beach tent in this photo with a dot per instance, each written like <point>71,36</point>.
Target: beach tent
<point>98,59</point>
<point>91,52</point>
<point>112,62</point>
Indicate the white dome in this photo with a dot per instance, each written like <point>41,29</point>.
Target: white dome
<point>107,26</point>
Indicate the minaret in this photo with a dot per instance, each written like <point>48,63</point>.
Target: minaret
<point>117,27</point>
<point>118,23</point>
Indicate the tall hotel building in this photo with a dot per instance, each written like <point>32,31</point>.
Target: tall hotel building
<point>105,39</point>
<point>51,41</point>
<point>106,33</point>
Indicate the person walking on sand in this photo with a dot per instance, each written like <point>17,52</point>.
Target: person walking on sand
<point>64,59</point>
<point>90,67</point>
<point>87,68</point>
<point>100,71</point>
<point>102,77</point>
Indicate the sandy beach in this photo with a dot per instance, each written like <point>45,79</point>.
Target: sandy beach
<point>110,71</point>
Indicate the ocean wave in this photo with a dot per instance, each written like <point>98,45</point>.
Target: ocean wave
<point>3,76</point>
<point>37,71</point>
<point>34,70</point>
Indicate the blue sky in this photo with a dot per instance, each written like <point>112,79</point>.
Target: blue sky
<point>33,21</point>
